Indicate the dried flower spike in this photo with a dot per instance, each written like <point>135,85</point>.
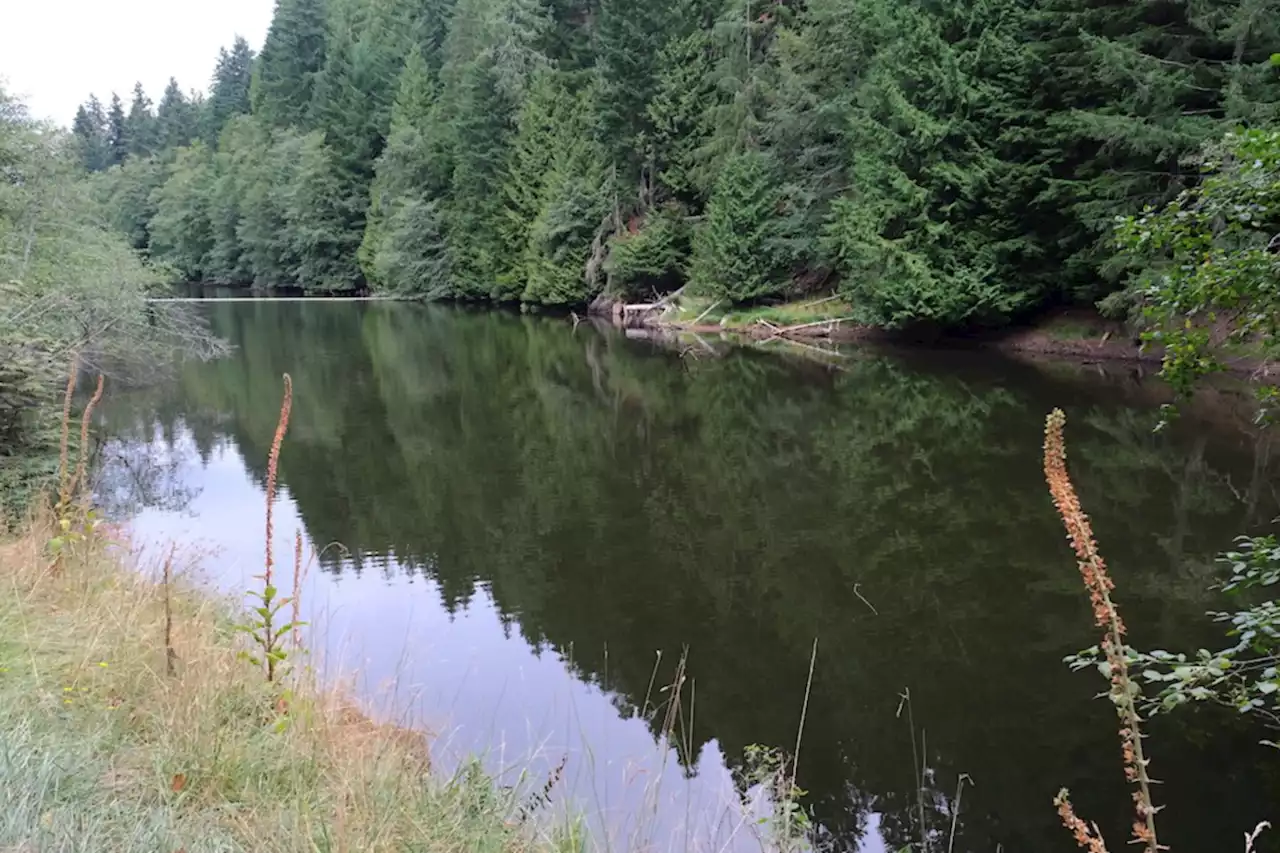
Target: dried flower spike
<point>1123,691</point>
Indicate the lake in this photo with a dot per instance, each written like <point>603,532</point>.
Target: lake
<point>538,522</point>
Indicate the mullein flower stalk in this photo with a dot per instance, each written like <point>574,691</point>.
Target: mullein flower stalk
<point>1124,692</point>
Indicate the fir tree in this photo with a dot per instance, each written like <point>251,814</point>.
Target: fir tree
<point>176,118</point>
<point>738,249</point>
<point>408,176</point>
<point>140,126</point>
<point>264,230</point>
<point>91,134</point>
<point>292,55</point>
<point>679,112</point>
<point>321,220</point>
<point>229,90</point>
<point>117,131</point>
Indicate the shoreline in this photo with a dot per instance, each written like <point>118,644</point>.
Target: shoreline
<point>1037,341</point>
<point>142,727</point>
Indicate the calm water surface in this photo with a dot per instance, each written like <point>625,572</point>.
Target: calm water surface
<point>539,520</point>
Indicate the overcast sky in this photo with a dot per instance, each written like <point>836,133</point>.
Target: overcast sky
<point>55,52</point>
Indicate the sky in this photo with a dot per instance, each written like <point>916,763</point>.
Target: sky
<point>53,53</point>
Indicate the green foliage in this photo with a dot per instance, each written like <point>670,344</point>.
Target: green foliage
<point>67,284</point>
<point>229,95</point>
<point>1208,259</point>
<point>653,256</point>
<point>140,125</point>
<point>118,142</point>
<point>90,132</point>
<point>324,220</point>
<point>680,111</point>
<point>292,57</point>
<point>1244,676</point>
<point>739,252</point>
<point>268,629</point>
<point>127,195</point>
<point>408,176</point>
<point>947,164</point>
<point>177,118</point>
<point>181,231</point>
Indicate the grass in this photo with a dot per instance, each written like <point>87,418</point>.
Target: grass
<point>131,721</point>
<point>101,750</point>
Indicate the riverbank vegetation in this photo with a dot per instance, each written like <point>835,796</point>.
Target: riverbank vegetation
<point>1211,263</point>
<point>942,165</point>
<point>142,713</point>
<point>101,748</point>
<point>68,284</point>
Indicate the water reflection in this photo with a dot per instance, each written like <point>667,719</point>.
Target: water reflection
<point>527,506</point>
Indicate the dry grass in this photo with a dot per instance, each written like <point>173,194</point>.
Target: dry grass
<point>101,750</point>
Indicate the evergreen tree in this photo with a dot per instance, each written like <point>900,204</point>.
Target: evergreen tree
<point>117,131</point>
<point>738,251</point>
<point>680,110</point>
<point>229,91</point>
<point>404,247</point>
<point>91,134</point>
<point>140,126</point>
<point>941,162</point>
<point>930,230</point>
<point>176,118</point>
<point>264,231</point>
<point>292,55</point>
<point>322,220</point>
<point>571,199</point>
<point>1135,89</point>
<point>490,53</point>
<point>630,38</point>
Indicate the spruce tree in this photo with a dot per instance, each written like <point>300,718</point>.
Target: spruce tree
<point>322,220</point>
<point>264,231</point>
<point>292,55</point>
<point>629,40</point>
<point>176,118</point>
<point>91,134</point>
<point>229,90</point>
<point>738,250</point>
<point>557,188</point>
<point>117,131</point>
<point>237,166</point>
<point>680,112</point>
<point>140,126</point>
<point>406,193</point>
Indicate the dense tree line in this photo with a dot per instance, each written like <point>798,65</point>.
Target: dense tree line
<point>943,161</point>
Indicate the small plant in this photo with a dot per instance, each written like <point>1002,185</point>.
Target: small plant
<point>789,826</point>
<point>264,626</point>
<point>77,521</point>
<point>1125,692</point>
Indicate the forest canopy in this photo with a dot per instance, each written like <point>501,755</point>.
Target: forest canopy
<point>945,162</point>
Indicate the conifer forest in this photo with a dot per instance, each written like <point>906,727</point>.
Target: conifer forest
<point>943,162</point>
